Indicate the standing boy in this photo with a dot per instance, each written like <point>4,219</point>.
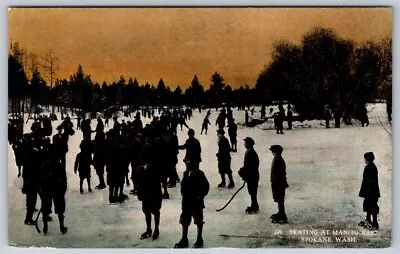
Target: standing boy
<point>224,160</point>
<point>249,173</point>
<point>82,165</point>
<point>278,183</point>
<point>370,192</point>
<point>194,188</point>
<point>149,191</point>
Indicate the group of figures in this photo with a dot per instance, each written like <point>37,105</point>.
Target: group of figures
<point>151,154</point>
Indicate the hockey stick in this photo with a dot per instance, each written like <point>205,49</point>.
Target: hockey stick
<point>36,221</point>
<point>219,210</point>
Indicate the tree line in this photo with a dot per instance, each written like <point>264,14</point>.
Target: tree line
<point>324,69</point>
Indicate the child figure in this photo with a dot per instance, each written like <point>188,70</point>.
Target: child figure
<point>194,188</point>
<point>278,183</point>
<point>204,126</point>
<point>149,191</point>
<point>370,192</point>
<point>82,165</point>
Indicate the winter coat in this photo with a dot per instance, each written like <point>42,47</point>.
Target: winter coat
<point>82,164</point>
<point>149,183</point>
<point>249,172</point>
<point>278,172</point>
<point>370,184</point>
<point>53,177</point>
<point>194,188</point>
<point>206,122</point>
<point>193,150</point>
<point>31,169</point>
<point>60,142</point>
<point>232,130</point>
<point>224,149</point>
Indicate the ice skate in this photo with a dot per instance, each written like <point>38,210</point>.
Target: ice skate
<point>363,223</point>
<point>375,226</point>
<point>165,196</point>
<point>120,199</point>
<point>274,216</point>
<point>113,200</point>
<point>146,234</point>
<point>63,230</point>
<point>133,192</point>
<point>221,185</point>
<point>251,210</point>
<point>156,234</point>
<point>124,196</point>
<point>282,219</point>
<point>231,185</point>
<point>199,243</point>
<point>101,186</point>
<point>45,227</point>
<point>29,222</point>
<point>182,244</point>
<point>90,189</point>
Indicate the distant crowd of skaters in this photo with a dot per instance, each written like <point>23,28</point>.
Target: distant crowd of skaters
<point>151,153</point>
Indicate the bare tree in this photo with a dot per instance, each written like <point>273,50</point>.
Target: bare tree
<point>51,65</point>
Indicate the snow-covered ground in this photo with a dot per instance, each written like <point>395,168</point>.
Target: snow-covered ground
<point>324,168</point>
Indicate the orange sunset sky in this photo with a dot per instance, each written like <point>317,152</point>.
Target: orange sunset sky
<point>175,43</point>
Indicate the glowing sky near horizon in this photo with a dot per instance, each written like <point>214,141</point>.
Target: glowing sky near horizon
<point>176,43</point>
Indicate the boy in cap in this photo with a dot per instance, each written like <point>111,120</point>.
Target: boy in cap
<point>370,192</point>
<point>249,173</point>
<point>224,159</point>
<point>278,183</point>
<point>194,187</point>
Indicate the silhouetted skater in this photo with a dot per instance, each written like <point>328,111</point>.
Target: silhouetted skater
<point>149,191</point>
<point>278,183</point>
<point>204,126</point>
<point>194,188</point>
<point>224,160</point>
<point>232,131</point>
<point>53,185</point>
<point>370,192</point>
<point>250,174</point>
<point>31,175</point>
<point>82,165</point>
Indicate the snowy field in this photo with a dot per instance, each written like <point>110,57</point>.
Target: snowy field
<point>324,169</point>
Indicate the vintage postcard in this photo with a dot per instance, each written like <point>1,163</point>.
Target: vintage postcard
<point>200,127</point>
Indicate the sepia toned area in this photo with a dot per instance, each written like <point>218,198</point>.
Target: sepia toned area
<point>112,95</point>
